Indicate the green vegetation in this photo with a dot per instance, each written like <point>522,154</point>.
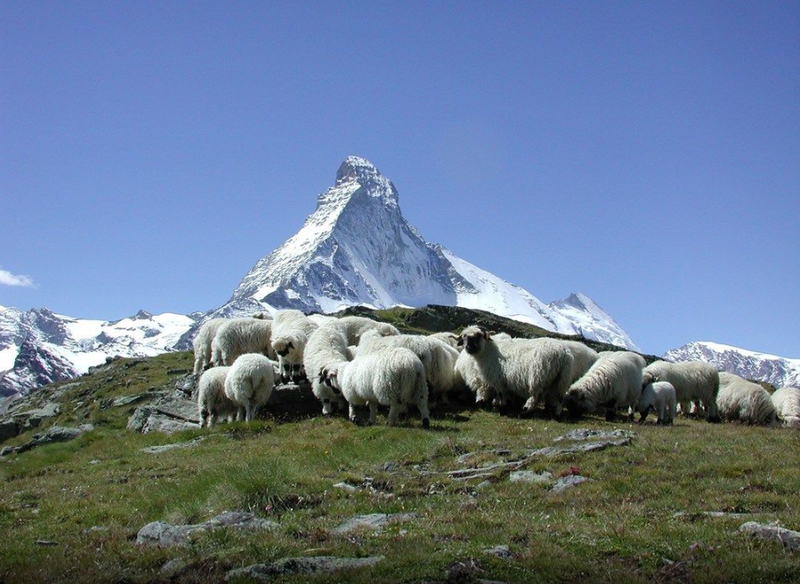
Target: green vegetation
<point>89,497</point>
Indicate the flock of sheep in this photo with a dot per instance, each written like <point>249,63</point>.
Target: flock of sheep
<point>355,361</point>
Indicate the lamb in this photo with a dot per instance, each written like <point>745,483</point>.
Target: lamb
<point>327,347</point>
<point>532,369</point>
<point>694,381</point>
<point>743,400</point>
<point>290,332</point>
<point>658,396</point>
<point>391,376</point>
<point>787,406</point>
<point>437,357</point>
<point>249,384</point>
<point>613,382</point>
<point>238,336</point>
<point>202,343</point>
<point>583,357</point>
<point>212,403</point>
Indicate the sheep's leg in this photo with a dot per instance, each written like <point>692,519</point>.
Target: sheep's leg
<point>241,414</point>
<point>610,414</point>
<point>251,411</point>
<point>422,405</point>
<point>373,411</point>
<point>394,412</point>
<point>353,414</point>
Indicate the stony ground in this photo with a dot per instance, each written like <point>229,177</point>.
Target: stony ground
<point>299,498</point>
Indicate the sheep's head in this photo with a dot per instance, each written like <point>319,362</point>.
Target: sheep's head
<point>387,330</point>
<point>282,346</point>
<point>473,338</point>
<point>578,402</point>
<point>330,377</point>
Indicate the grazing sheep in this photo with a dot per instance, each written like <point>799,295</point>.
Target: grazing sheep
<point>326,347</point>
<point>290,332</point>
<point>203,342</point>
<point>745,401</point>
<point>249,384</point>
<point>212,403</point>
<point>238,336</point>
<point>393,377</point>
<point>583,357</point>
<point>694,381</point>
<point>787,405</point>
<point>532,369</point>
<point>660,397</point>
<point>613,382</point>
<point>438,358</point>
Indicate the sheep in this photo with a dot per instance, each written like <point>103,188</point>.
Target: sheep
<point>242,335</point>
<point>693,381</point>
<point>356,326</point>
<point>447,338</point>
<point>202,343</point>
<point>583,357</point>
<point>438,357</point>
<point>321,319</point>
<point>391,376</point>
<point>290,333</point>
<point>326,347</point>
<point>658,396</point>
<point>613,382</point>
<point>249,384</point>
<point>531,369</point>
<point>743,400</point>
<point>787,406</point>
<point>212,403</point>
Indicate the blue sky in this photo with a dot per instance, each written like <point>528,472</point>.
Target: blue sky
<point>646,154</point>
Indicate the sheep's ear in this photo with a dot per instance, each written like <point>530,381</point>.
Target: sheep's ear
<point>460,342</point>
<point>487,334</point>
<point>290,345</point>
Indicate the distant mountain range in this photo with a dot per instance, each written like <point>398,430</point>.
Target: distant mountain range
<point>354,249</point>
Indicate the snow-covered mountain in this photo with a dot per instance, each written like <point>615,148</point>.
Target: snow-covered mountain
<point>39,346</point>
<point>356,248</point>
<point>779,371</point>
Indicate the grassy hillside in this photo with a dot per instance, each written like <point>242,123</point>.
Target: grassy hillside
<point>70,512</point>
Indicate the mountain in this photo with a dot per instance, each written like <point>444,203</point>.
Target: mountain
<point>357,249</point>
<point>39,347</point>
<point>779,371</point>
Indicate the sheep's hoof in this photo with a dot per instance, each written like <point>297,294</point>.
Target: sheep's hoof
<point>714,419</point>
<point>609,415</point>
<point>426,423</point>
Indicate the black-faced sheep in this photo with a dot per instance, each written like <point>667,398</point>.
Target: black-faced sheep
<point>613,382</point>
<point>290,332</point>
<point>327,347</point>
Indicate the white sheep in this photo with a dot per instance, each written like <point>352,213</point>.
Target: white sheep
<point>437,357</point>
<point>356,326</point>
<point>447,338</point>
<point>583,357</point>
<point>249,384</point>
<point>238,336</point>
<point>745,401</point>
<point>694,381</point>
<point>613,382</point>
<point>787,406</point>
<point>327,347</point>
<point>203,343</point>
<point>393,377</point>
<point>290,331</point>
<point>660,397</point>
<point>533,369</point>
<point>212,403</point>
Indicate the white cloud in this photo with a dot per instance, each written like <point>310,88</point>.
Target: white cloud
<point>9,279</point>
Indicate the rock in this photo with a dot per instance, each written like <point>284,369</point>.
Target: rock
<point>127,400</point>
<point>567,482</point>
<point>373,521</point>
<point>527,476</point>
<point>167,425</point>
<point>551,451</point>
<point>8,450</point>
<point>34,418</point>
<point>345,487</point>
<point>790,539</point>
<point>587,434</point>
<point>139,418</point>
<point>165,447</point>
<point>173,566</point>
<point>165,534</point>
<point>501,551</point>
<point>185,384</point>
<point>52,435</point>
<point>302,565</point>
<point>8,429</point>
<point>177,405</point>
<point>45,542</point>
<point>714,514</point>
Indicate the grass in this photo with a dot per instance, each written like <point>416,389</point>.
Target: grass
<point>621,526</point>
